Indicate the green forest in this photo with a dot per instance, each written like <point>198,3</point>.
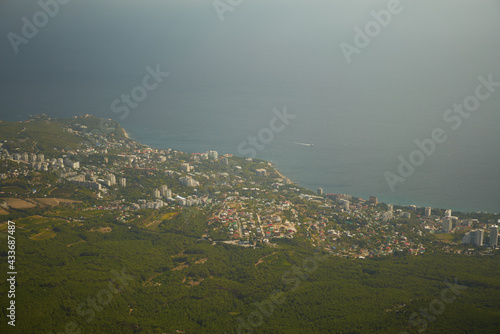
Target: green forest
<point>82,271</point>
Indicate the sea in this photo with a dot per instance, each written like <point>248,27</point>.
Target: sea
<point>340,95</point>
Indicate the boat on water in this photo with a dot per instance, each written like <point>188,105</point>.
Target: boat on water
<point>305,144</point>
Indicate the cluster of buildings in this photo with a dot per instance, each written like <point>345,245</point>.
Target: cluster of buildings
<point>260,207</point>
<point>93,182</point>
<point>39,162</point>
<point>254,219</point>
<point>476,237</point>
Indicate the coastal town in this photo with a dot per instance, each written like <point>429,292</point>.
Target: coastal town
<point>246,202</point>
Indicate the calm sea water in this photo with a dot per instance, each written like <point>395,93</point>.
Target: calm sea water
<point>227,76</point>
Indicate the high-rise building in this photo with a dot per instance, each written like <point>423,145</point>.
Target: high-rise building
<point>374,200</point>
<point>188,181</point>
<point>163,190</point>
<point>447,225</point>
<point>71,164</point>
<point>213,154</point>
<point>474,237</point>
<point>156,193</point>
<point>112,179</point>
<point>320,191</point>
<point>261,172</point>
<point>494,236</point>
<point>428,211</point>
<point>123,182</point>
<point>386,216</point>
<point>186,167</point>
<point>478,237</point>
<point>390,207</point>
<point>447,213</point>
<point>467,239</point>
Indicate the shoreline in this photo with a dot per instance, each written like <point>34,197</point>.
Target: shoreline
<point>125,133</point>
<point>284,177</point>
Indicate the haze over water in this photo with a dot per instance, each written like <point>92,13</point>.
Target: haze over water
<point>227,76</point>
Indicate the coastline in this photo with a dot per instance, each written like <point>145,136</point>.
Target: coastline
<point>125,133</point>
<point>403,202</point>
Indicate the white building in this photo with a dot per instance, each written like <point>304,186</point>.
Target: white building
<point>71,164</point>
<point>478,237</point>
<point>163,190</point>
<point>181,200</point>
<point>447,213</point>
<point>261,172</point>
<point>188,181</point>
<point>123,182</point>
<point>428,211</point>
<point>112,179</point>
<point>386,216</point>
<point>447,225</point>
<point>156,193</point>
<point>474,237</point>
<point>213,154</point>
<point>186,167</point>
<point>494,236</point>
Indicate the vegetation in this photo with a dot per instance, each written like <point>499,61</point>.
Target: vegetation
<point>180,283</point>
<point>86,264</point>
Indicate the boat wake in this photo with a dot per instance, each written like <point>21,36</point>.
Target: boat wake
<point>305,144</point>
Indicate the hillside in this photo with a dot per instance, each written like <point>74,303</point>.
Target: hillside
<point>112,236</point>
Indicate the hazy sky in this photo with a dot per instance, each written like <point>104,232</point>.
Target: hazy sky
<point>92,45</point>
